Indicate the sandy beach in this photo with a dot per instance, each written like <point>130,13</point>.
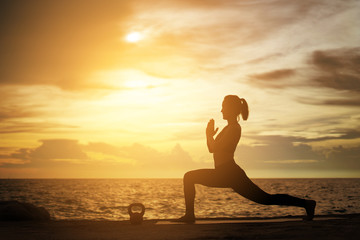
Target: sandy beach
<point>323,227</point>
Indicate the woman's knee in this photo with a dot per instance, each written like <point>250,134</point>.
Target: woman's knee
<point>188,177</point>
<point>206,177</point>
<point>194,176</point>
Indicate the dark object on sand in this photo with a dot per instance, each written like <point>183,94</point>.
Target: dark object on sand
<point>136,217</point>
<point>21,211</point>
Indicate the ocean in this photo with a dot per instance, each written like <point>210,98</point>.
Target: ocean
<point>108,199</point>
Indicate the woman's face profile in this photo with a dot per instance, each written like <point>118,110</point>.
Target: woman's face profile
<point>227,110</point>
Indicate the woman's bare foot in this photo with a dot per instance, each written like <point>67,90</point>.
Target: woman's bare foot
<point>186,219</point>
<point>310,210</point>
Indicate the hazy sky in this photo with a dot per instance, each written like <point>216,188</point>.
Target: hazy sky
<point>78,99</point>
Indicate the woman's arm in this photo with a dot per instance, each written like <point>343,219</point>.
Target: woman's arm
<point>210,132</point>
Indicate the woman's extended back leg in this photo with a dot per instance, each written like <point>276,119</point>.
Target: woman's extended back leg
<point>246,188</point>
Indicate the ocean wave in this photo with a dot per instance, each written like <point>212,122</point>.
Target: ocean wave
<point>108,199</point>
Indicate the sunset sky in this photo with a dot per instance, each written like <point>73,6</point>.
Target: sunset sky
<point>124,89</point>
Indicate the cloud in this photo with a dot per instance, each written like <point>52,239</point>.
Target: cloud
<point>151,159</point>
<point>337,69</point>
<point>265,58</point>
<point>69,158</point>
<point>13,113</point>
<point>51,153</point>
<point>277,74</point>
<point>59,149</point>
<point>31,127</point>
<point>103,148</point>
<point>277,152</point>
<point>273,79</point>
<point>101,159</point>
<point>344,158</point>
<point>339,59</point>
<point>353,101</point>
<point>64,43</point>
<point>219,33</point>
<point>336,134</point>
<point>11,157</point>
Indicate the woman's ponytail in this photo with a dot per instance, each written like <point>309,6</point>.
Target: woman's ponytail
<point>237,106</point>
<point>244,109</point>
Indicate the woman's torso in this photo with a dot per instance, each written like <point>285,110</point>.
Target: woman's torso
<point>225,144</point>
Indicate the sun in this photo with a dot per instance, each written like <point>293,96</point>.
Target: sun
<point>133,37</point>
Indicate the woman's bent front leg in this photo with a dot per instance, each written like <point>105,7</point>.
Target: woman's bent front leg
<point>206,177</point>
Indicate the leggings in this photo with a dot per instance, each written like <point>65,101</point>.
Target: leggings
<point>230,175</point>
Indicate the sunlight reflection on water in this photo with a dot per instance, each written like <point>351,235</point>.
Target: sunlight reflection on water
<point>100,199</point>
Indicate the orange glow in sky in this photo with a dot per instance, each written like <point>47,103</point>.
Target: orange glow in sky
<point>83,95</point>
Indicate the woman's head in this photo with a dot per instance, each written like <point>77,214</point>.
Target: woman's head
<point>233,106</point>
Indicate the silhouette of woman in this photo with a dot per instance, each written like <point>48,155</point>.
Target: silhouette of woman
<point>227,174</point>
